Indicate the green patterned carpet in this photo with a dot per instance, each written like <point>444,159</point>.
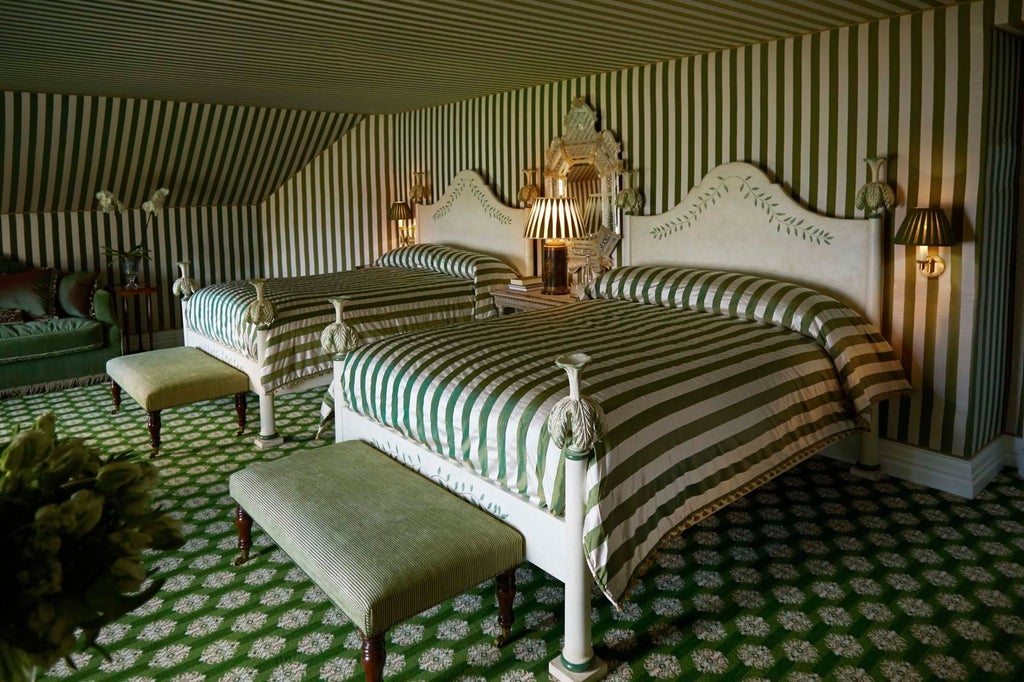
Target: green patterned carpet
<point>815,576</point>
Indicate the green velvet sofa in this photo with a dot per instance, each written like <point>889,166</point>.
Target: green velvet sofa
<point>56,329</point>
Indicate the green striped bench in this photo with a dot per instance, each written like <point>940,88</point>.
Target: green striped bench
<point>383,542</point>
<point>160,379</point>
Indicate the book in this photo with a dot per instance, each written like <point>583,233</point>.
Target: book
<point>525,282</point>
<point>530,287</point>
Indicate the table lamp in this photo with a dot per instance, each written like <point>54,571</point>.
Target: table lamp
<point>555,220</point>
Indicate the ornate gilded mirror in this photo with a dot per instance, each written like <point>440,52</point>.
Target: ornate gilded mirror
<point>583,164</point>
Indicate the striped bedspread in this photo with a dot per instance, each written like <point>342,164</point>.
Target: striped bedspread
<point>412,288</point>
<point>711,382</point>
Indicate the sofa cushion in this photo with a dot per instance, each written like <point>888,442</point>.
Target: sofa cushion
<point>10,265</point>
<point>32,291</point>
<point>74,294</point>
<point>9,316</point>
<point>48,338</point>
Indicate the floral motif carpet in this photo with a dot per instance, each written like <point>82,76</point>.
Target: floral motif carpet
<point>816,576</point>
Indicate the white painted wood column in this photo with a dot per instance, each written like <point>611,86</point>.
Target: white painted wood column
<point>576,425</point>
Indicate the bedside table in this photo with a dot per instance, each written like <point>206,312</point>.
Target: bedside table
<point>522,301</point>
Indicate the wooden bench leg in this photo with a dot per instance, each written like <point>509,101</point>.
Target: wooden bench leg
<point>115,395</point>
<point>243,522</point>
<point>373,658</point>
<point>505,584</point>
<point>240,406</point>
<point>154,432</point>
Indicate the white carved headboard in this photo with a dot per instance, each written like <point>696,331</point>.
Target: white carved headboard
<point>737,219</point>
<point>468,215</point>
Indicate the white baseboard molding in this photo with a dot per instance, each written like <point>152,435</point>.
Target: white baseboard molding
<point>964,477</point>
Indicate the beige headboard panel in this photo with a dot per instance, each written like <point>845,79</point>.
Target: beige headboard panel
<point>468,215</point>
<point>737,219</point>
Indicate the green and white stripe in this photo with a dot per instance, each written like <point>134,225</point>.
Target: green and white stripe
<point>486,272</point>
<point>437,287</point>
<point>699,406</point>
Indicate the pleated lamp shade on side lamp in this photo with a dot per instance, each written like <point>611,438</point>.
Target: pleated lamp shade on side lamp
<point>555,220</point>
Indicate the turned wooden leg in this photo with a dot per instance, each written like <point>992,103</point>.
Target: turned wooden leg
<point>240,410</point>
<point>115,395</point>
<point>154,432</point>
<point>243,522</point>
<point>506,588</point>
<point>373,658</point>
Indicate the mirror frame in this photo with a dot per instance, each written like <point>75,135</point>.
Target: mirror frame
<point>582,143</point>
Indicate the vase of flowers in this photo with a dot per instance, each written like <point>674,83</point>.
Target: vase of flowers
<point>75,527</point>
<point>131,259</point>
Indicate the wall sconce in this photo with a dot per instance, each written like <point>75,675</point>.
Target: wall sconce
<point>401,212</point>
<point>529,191</point>
<point>555,220</point>
<point>924,227</point>
<point>419,193</point>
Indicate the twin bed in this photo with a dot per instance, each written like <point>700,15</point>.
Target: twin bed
<point>711,381</point>
<point>472,244</point>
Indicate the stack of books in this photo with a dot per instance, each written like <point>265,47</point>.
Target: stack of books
<point>525,284</point>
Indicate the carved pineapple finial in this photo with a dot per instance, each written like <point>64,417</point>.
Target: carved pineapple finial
<point>876,194</point>
<point>184,286</point>
<point>576,424</point>
<point>338,338</point>
<point>260,312</point>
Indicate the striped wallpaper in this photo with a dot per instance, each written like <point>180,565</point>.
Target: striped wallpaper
<point>808,109</point>
<point>1004,220</point>
<point>332,214</point>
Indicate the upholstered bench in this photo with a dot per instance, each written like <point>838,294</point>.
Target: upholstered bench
<point>383,542</point>
<point>159,379</point>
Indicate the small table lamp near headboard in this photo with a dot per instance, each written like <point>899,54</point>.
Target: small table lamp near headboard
<point>555,220</point>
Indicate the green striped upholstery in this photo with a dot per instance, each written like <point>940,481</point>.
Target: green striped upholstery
<point>865,362</point>
<point>385,300</point>
<point>487,272</point>
<point>700,406</point>
<point>381,541</point>
<point>169,377</point>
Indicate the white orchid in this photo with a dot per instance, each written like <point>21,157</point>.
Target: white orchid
<point>110,204</point>
<point>156,201</point>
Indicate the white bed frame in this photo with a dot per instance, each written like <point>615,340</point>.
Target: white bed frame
<point>734,219</point>
<point>468,215</point>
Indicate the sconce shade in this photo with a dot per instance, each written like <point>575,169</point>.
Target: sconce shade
<point>399,211</point>
<point>554,218</point>
<point>925,227</point>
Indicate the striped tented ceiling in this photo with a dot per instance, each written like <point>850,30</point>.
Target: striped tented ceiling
<point>376,56</point>
<point>56,151</point>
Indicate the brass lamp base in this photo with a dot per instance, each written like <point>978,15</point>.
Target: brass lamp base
<point>555,264</point>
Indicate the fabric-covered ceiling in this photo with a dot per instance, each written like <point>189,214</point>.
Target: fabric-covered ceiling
<point>376,56</point>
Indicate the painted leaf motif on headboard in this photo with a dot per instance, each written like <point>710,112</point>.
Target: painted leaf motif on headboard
<point>481,196</point>
<point>794,226</point>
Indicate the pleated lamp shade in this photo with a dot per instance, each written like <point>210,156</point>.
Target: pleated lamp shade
<point>925,227</point>
<point>554,218</point>
<point>399,211</point>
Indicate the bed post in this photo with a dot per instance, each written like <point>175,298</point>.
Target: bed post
<point>261,314</point>
<point>576,424</point>
<point>183,288</point>
<point>868,464</point>
<point>337,339</point>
